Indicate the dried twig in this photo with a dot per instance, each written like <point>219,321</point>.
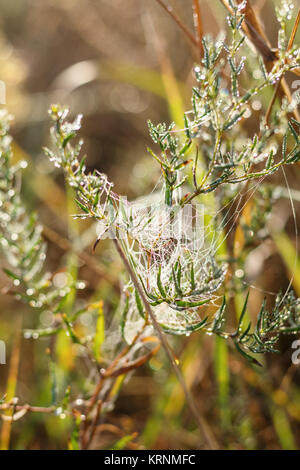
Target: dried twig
<point>27,408</point>
<point>178,21</point>
<point>198,26</point>
<point>294,31</point>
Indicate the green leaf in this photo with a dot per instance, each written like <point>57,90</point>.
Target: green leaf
<point>11,274</point>
<point>239,328</point>
<point>122,443</point>
<point>192,272</point>
<point>124,316</point>
<point>187,329</point>
<point>186,304</point>
<point>159,284</point>
<point>68,138</point>
<point>233,121</point>
<point>139,304</point>
<point>294,133</point>
<point>219,317</point>
<point>187,126</point>
<point>284,145</point>
<point>249,358</point>
<point>82,207</point>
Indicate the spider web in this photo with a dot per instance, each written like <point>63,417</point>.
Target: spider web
<point>154,249</point>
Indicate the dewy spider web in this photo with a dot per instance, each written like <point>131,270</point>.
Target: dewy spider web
<point>174,263</point>
<point>155,252</point>
<point>160,255</point>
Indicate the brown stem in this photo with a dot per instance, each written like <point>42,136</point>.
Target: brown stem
<point>86,443</point>
<point>178,21</point>
<point>29,408</point>
<point>294,31</point>
<point>198,26</point>
<point>271,104</point>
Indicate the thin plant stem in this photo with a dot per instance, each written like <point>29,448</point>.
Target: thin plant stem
<point>178,21</point>
<point>198,26</point>
<point>202,424</point>
<point>294,31</point>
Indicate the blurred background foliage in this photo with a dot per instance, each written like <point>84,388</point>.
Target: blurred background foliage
<point>121,63</point>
